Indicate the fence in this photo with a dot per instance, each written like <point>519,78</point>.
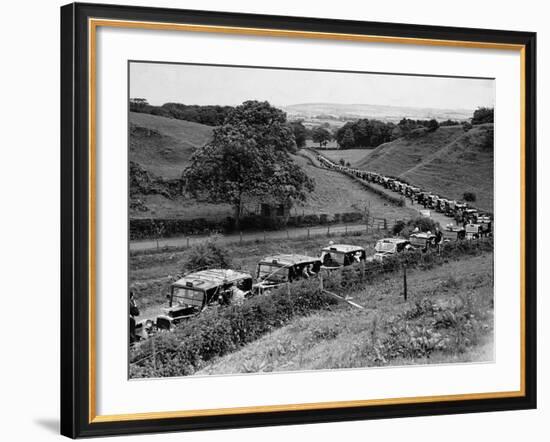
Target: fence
<point>371,224</point>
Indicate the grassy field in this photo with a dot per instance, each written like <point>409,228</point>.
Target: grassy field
<point>353,156</point>
<point>337,193</point>
<point>448,317</point>
<point>448,161</point>
<point>164,145</point>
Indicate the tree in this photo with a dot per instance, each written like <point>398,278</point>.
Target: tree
<point>348,139</point>
<point>483,115</point>
<point>300,133</point>
<point>248,157</point>
<point>469,197</point>
<point>321,135</point>
<point>433,125</point>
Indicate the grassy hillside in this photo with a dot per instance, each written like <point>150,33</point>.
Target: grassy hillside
<point>337,193</point>
<point>465,165</point>
<point>447,161</point>
<point>162,145</point>
<point>396,157</point>
<point>453,316</point>
<point>353,156</point>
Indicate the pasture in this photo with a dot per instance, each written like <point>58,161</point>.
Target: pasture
<point>353,156</point>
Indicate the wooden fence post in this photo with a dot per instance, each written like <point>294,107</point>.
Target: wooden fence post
<point>405,281</point>
<point>187,241</point>
<point>154,354</point>
<point>240,236</point>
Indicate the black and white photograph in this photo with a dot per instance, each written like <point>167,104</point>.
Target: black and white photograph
<point>296,220</point>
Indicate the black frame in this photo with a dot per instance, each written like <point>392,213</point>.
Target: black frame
<point>75,219</point>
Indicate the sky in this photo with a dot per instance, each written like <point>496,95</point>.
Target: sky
<point>160,83</point>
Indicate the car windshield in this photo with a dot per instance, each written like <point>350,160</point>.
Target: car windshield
<point>385,247</point>
<point>418,239</point>
<point>188,296</point>
<point>273,272</point>
<point>333,258</point>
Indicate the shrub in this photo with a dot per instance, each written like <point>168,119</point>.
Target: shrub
<point>221,330</point>
<point>467,126</point>
<point>208,254</point>
<point>483,115</point>
<point>469,197</point>
<point>423,223</point>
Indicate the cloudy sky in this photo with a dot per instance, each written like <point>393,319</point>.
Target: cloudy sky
<point>190,84</point>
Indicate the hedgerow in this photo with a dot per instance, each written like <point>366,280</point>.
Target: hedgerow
<point>220,330</point>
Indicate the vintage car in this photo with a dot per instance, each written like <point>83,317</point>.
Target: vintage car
<point>340,255</point>
<point>274,271</point>
<point>469,215</point>
<point>423,240</point>
<point>458,231</point>
<point>191,294</point>
<point>389,247</point>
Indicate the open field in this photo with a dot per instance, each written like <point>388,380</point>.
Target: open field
<point>448,161</point>
<point>384,332</point>
<point>330,145</point>
<point>353,156</point>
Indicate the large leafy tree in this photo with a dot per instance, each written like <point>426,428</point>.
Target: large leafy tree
<point>300,133</point>
<point>321,135</point>
<point>248,157</point>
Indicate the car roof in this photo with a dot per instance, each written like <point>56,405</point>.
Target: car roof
<point>393,240</point>
<point>288,259</point>
<point>422,234</point>
<point>344,248</point>
<point>206,279</point>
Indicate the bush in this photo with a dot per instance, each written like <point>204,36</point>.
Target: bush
<point>208,254</point>
<point>423,223</point>
<point>483,115</point>
<point>221,330</point>
<point>469,197</point>
<point>467,126</point>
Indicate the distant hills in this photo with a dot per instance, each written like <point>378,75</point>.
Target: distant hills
<point>334,111</point>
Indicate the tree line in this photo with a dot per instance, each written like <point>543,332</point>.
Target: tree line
<point>209,115</point>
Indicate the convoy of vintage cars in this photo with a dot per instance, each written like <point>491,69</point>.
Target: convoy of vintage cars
<point>196,291</point>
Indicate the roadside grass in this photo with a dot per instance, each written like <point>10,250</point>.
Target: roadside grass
<point>447,318</point>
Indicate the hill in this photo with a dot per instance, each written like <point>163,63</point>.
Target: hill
<point>381,112</point>
<point>447,161</point>
<point>163,145</point>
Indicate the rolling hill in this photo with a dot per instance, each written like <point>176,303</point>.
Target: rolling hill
<point>381,112</point>
<point>447,161</point>
<point>162,145</point>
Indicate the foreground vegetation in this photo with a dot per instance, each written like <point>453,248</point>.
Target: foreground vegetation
<point>444,320</point>
<point>416,331</point>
